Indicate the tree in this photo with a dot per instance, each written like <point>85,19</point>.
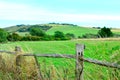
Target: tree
<point>105,32</point>
<point>3,35</point>
<point>70,35</point>
<point>37,32</point>
<point>59,35</point>
<point>14,37</point>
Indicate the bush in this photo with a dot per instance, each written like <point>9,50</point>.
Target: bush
<point>31,38</point>
<point>59,35</point>
<point>3,35</point>
<point>89,35</point>
<point>70,35</point>
<point>14,37</point>
<point>48,38</point>
<point>105,32</point>
<point>37,32</point>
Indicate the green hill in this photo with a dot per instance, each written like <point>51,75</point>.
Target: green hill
<point>76,30</point>
<point>16,28</point>
<point>51,28</point>
<point>26,28</point>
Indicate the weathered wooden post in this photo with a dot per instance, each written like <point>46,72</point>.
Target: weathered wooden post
<point>38,68</point>
<point>79,61</point>
<point>0,61</point>
<point>18,62</point>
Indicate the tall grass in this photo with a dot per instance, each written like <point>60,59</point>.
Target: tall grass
<point>64,69</point>
<point>9,70</point>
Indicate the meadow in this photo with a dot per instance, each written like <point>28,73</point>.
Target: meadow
<point>64,69</point>
<point>76,30</point>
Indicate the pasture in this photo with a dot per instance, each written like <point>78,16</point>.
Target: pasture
<point>76,30</point>
<point>100,49</point>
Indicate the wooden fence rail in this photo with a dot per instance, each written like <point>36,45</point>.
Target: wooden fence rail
<point>98,62</point>
<point>79,60</point>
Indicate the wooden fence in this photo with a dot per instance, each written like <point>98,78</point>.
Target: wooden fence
<point>79,60</point>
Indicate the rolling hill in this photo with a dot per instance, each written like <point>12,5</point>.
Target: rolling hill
<point>76,30</point>
<point>51,28</point>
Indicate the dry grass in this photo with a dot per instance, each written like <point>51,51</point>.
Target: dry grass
<point>9,70</point>
<point>100,39</point>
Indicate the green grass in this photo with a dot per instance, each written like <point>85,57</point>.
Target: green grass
<point>23,33</point>
<point>96,49</point>
<point>76,30</point>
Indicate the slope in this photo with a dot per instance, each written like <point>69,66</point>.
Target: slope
<point>76,30</point>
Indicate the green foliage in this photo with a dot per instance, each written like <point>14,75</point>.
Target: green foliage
<point>48,38</point>
<point>3,35</point>
<point>14,37</point>
<point>70,35</point>
<point>26,28</point>
<point>105,32</point>
<point>31,38</point>
<point>43,27</point>
<point>59,35</point>
<point>37,32</point>
<point>89,36</point>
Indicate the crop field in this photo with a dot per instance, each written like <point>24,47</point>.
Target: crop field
<point>60,69</point>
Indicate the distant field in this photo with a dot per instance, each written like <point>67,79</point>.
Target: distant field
<point>76,30</point>
<point>116,31</point>
<point>97,49</point>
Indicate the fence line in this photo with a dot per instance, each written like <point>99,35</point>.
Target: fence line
<point>9,52</point>
<point>98,62</point>
<point>79,60</point>
<point>102,63</point>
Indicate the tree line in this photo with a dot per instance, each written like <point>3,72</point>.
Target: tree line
<point>37,34</point>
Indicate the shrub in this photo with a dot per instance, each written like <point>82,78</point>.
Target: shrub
<point>31,38</point>
<point>70,35</point>
<point>59,35</point>
<point>3,35</point>
<point>48,38</point>
<point>14,37</point>
<point>37,32</point>
<point>105,32</point>
<point>89,35</point>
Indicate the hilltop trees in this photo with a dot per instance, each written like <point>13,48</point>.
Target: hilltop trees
<point>105,32</point>
<point>3,35</point>
<point>37,32</point>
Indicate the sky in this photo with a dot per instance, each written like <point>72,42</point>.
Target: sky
<point>88,13</point>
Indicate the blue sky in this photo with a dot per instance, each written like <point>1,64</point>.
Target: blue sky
<point>86,13</point>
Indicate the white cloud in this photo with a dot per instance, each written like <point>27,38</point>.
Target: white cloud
<point>11,11</point>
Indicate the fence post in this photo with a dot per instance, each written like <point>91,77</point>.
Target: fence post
<point>18,62</point>
<point>38,68</point>
<point>79,61</point>
<point>0,62</point>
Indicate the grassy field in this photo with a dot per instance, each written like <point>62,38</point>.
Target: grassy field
<point>101,49</point>
<point>116,31</point>
<point>76,30</point>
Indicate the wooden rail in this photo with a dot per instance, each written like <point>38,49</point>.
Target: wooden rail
<point>79,60</point>
<point>98,62</point>
<point>55,55</point>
